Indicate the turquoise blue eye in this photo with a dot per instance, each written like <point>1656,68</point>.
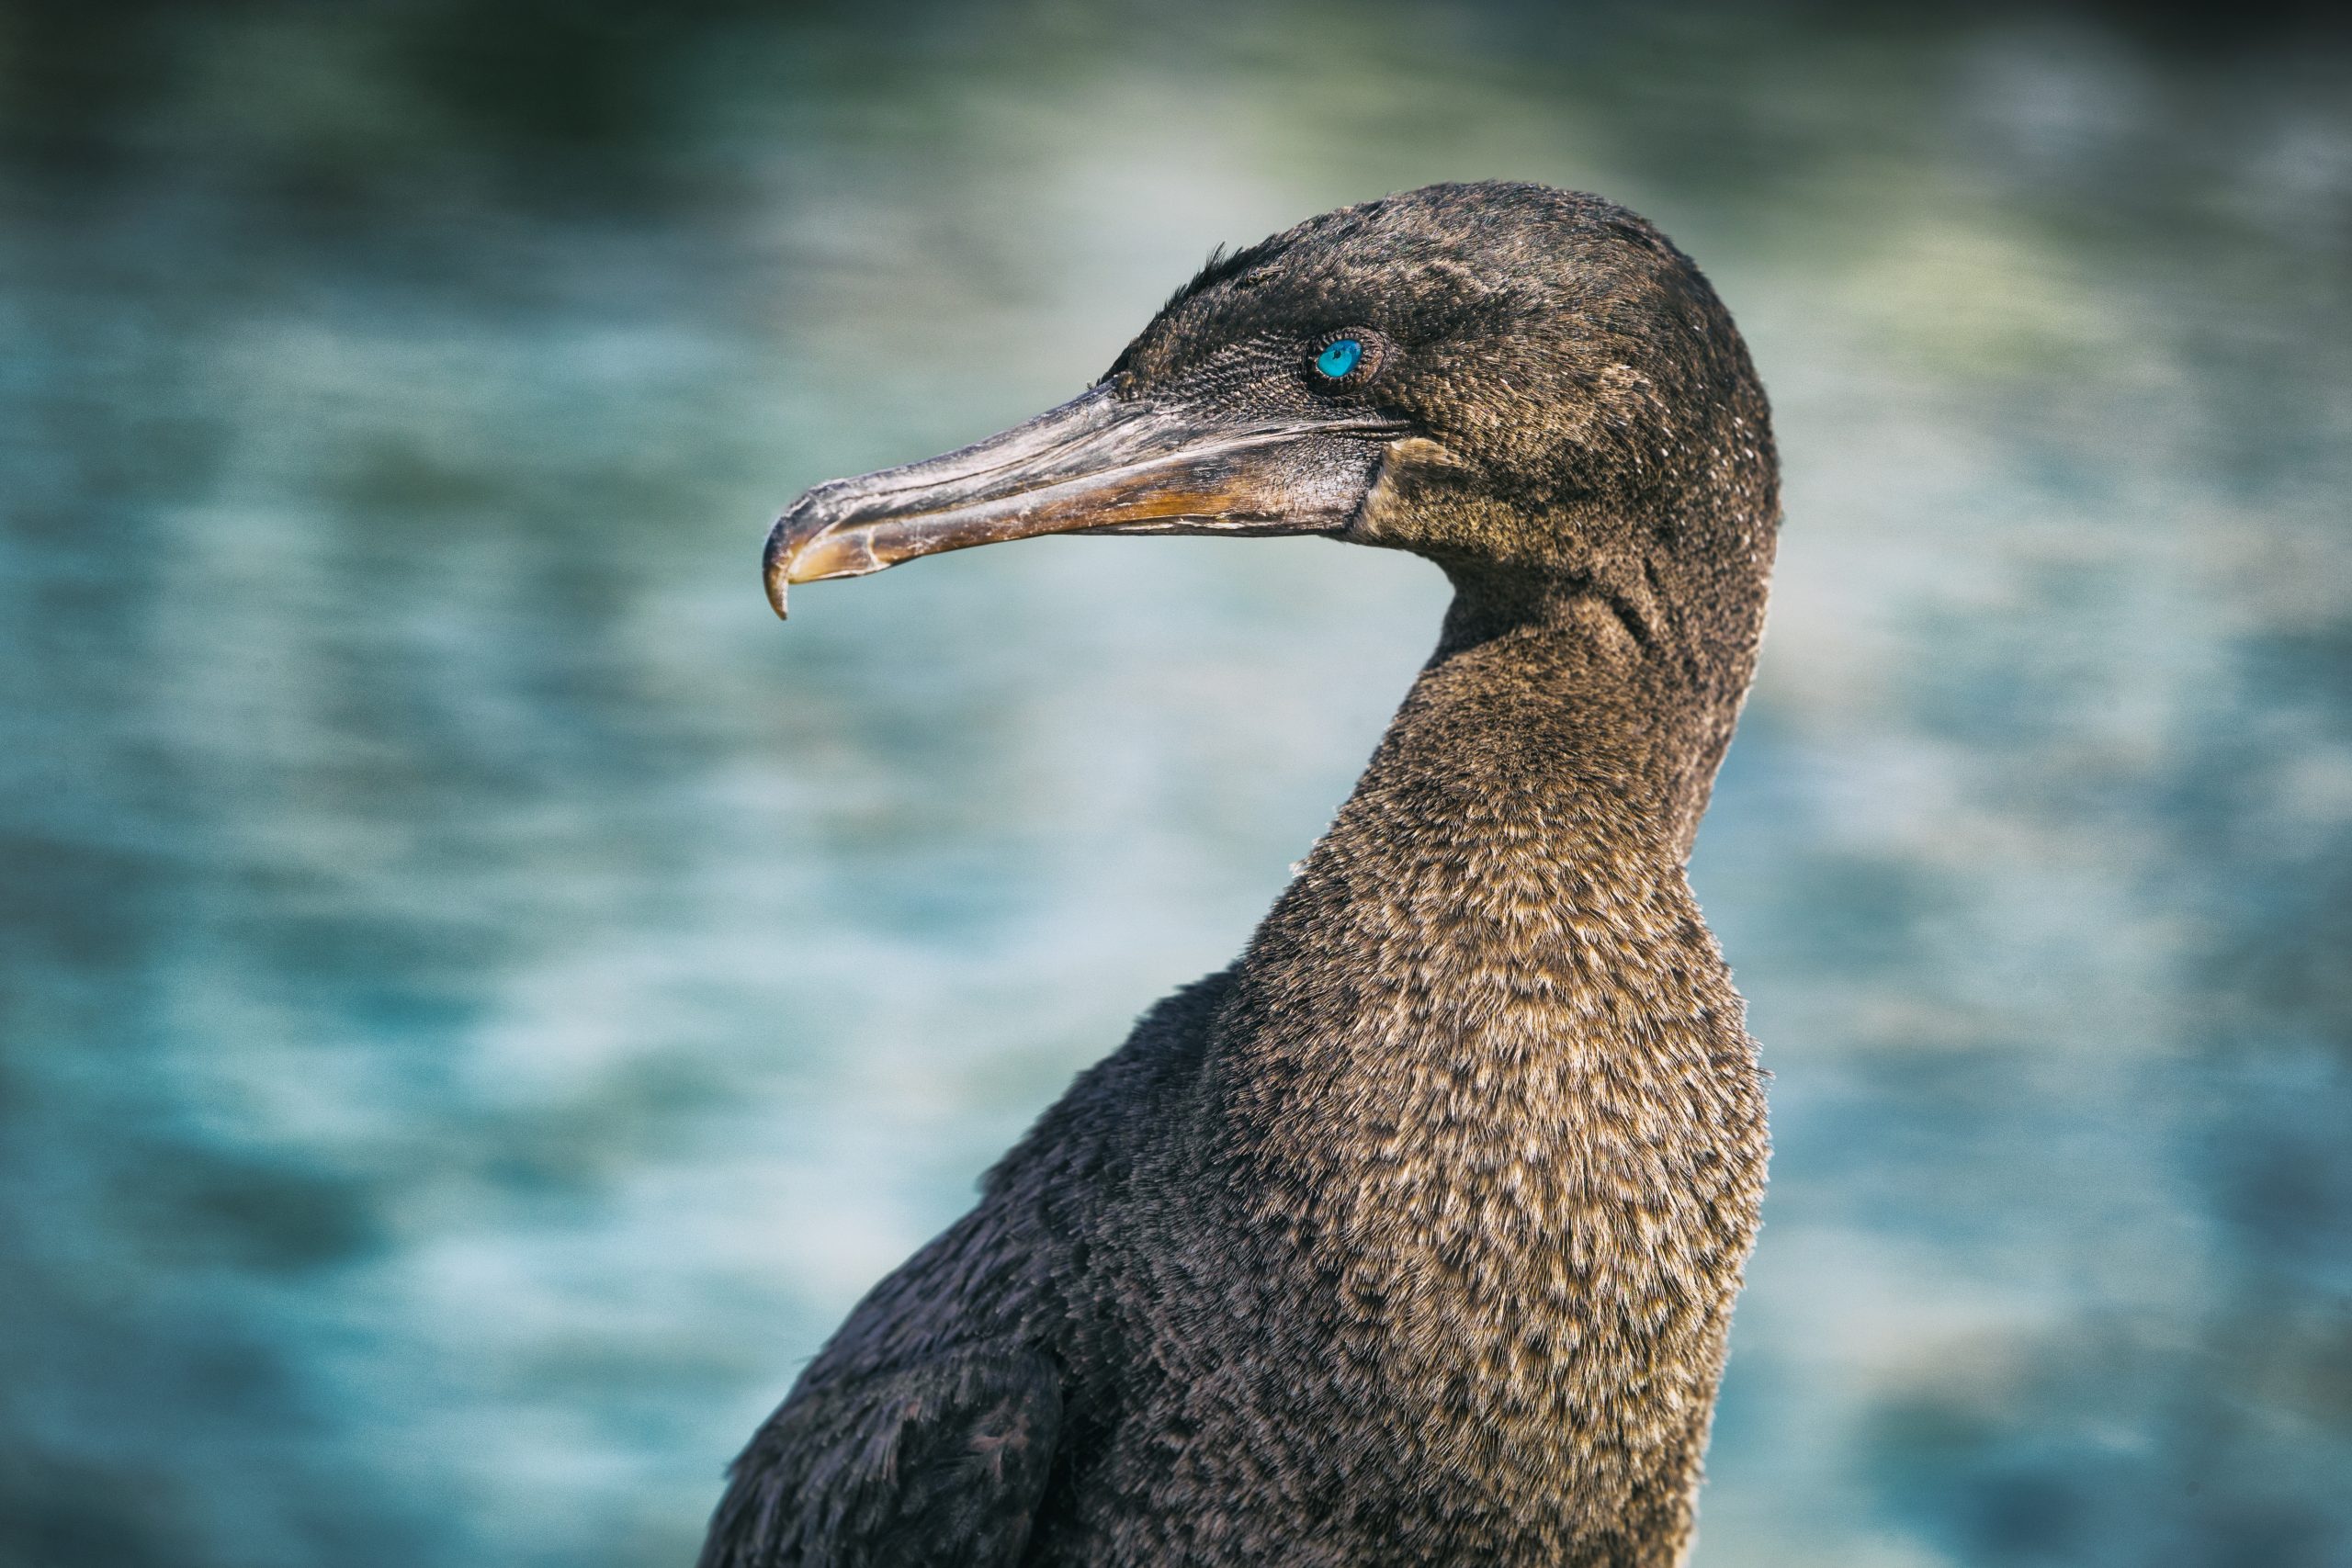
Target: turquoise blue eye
<point>1339,357</point>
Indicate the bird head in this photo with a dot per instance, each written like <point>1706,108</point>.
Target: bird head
<point>1530,387</point>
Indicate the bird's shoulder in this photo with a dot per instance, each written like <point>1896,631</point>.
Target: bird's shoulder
<point>924,1430</point>
<point>1014,1267</point>
<point>937,1460</point>
<point>1114,1110</point>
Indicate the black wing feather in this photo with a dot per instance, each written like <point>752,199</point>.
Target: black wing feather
<point>938,1462</point>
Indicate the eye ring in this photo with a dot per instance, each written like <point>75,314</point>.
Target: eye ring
<point>1347,357</point>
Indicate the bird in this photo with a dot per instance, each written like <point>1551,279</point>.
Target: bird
<point>1412,1237</point>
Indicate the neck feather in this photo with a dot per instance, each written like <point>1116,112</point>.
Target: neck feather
<point>1483,1059</point>
<point>1523,824</point>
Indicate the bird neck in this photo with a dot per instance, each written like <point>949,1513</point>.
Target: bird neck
<point>1505,880</point>
<point>1482,1063</point>
<point>1566,692</point>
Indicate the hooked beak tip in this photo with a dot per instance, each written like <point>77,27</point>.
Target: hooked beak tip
<point>777,565</point>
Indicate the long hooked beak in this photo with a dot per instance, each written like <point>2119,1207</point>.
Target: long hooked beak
<point>1096,465</point>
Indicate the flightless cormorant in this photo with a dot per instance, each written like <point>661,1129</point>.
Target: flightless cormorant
<point>1411,1238</point>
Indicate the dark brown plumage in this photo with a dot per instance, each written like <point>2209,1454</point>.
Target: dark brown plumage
<point>1411,1237</point>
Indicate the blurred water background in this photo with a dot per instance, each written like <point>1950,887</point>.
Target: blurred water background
<point>478,999</point>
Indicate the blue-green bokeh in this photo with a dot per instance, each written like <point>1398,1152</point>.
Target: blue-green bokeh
<point>478,999</point>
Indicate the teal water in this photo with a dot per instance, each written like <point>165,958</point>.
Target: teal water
<point>478,998</point>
